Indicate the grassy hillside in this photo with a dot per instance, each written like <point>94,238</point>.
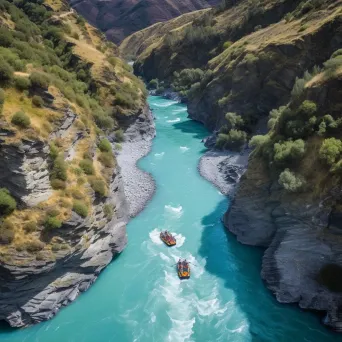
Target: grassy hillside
<point>63,89</point>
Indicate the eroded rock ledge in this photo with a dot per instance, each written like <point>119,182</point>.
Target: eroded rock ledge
<point>302,236</point>
<point>33,289</point>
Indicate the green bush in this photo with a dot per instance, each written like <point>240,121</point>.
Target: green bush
<point>21,119</point>
<point>234,140</point>
<point>108,211</point>
<point>234,120</point>
<point>119,135</point>
<point>30,227</point>
<point>330,150</point>
<point>227,44</point>
<point>99,186</point>
<point>80,208</point>
<point>22,83</point>
<point>288,151</point>
<point>153,84</point>
<point>87,166</point>
<point>105,145</point>
<point>37,101</point>
<point>106,159</point>
<point>7,202</point>
<point>6,71</point>
<point>59,170</point>
<point>54,151</point>
<point>6,37</point>
<point>51,223</point>
<point>6,233</point>
<point>103,121</point>
<point>291,182</point>
<point>39,79</point>
<point>160,90</point>
<point>34,246</point>
<point>259,140</point>
<point>2,97</point>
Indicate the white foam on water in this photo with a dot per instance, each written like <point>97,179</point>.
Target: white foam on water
<point>175,212</point>
<point>153,318</point>
<point>165,104</point>
<point>179,238</point>
<point>175,120</point>
<point>165,257</point>
<point>180,110</point>
<point>184,148</point>
<point>155,236</point>
<point>159,155</point>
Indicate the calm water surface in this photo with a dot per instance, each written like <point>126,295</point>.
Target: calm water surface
<point>139,297</point>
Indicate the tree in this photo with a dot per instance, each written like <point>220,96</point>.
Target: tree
<point>7,202</point>
<point>288,151</point>
<point>330,150</point>
<point>290,181</point>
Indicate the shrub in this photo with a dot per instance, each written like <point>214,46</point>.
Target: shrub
<point>153,84</point>
<point>6,37</point>
<point>6,235</point>
<point>288,151</point>
<point>52,223</point>
<point>234,140</point>
<point>59,170</point>
<point>21,119</point>
<point>77,194</point>
<point>119,135</point>
<point>108,211</point>
<point>22,83</point>
<point>80,208</point>
<point>39,79</point>
<point>37,101</point>
<point>105,145</point>
<point>7,202</point>
<point>298,88</point>
<point>99,186</point>
<point>53,150</point>
<point>53,212</point>
<point>259,140</point>
<point>106,159</point>
<point>234,120</point>
<point>87,166</point>
<point>103,121</point>
<point>30,227</point>
<point>6,71</point>
<point>227,44</point>
<point>2,97</point>
<point>330,150</point>
<point>160,90</point>
<point>34,246</point>
<point>307,108</point>
<point>290,181</point>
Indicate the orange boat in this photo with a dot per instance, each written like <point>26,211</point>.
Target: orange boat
<point>183,269</point>
<point>167,238</point>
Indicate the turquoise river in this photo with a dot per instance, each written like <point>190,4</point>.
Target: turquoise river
<point>139,297</point>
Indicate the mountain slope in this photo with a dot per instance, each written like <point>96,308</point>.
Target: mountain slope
<point>64,92</point>
<point>118,18</point>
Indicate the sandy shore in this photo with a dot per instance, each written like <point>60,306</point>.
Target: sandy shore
<point>223,169</point>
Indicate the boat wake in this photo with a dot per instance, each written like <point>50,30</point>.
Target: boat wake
<point>174,212</point>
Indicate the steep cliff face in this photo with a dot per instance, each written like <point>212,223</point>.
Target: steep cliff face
<point>297,218</point>
<point>119,19</point>
<point>66,101</point>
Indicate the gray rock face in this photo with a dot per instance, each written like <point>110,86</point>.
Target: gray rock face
<point>24,171</point>
<point>33,288</point>
<point>299,240</point>
<point>35,292</point>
